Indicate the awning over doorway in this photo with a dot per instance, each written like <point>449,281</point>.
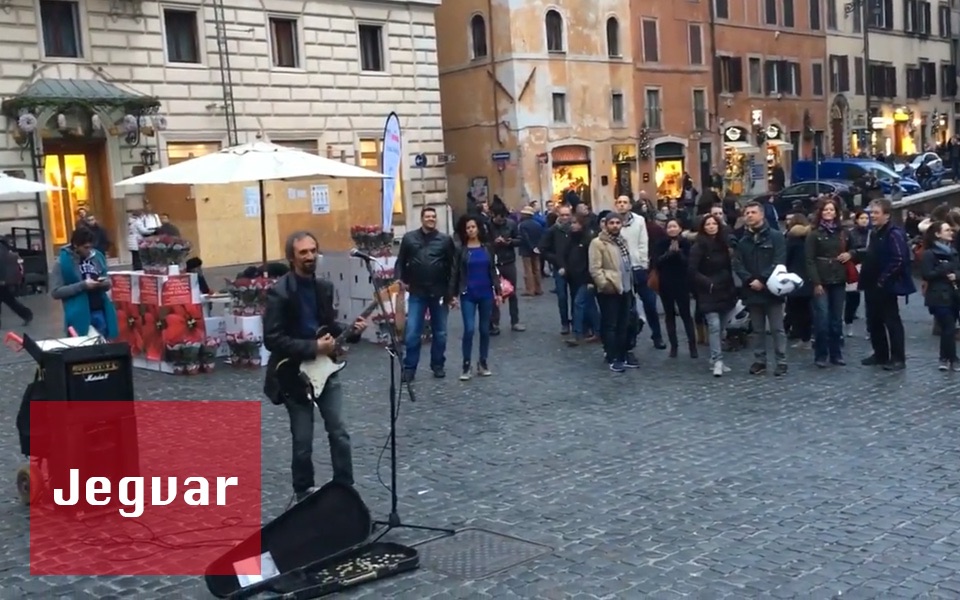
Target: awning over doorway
<point>89,93</point>
<point>742,147</point>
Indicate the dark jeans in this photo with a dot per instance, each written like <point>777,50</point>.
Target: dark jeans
<point>614,314</point>
<point>946,317</point>
<point>850,307</point>
<point>470,310</point>
<point>417,307</point>
<point>586,316</point>
<point>828,322</point>
<point>564,296</point>
<point>330,404</point>
<point>508,272</point>
<point>135,257</point>
<point>7,297</point>
<point>884,325</point>
<point>678,306</point>
<point>798,320</point>
<point>649,299</point>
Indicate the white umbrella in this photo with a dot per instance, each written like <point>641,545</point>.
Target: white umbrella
<point>259,161</point>
<point>14,186</point>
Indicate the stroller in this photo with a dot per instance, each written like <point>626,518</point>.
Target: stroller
<point>738,329</point>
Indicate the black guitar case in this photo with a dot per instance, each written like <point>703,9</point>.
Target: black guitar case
<point>320,546</point>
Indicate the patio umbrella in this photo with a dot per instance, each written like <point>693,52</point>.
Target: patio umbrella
<point>257,161</point>
<point>13,186</point>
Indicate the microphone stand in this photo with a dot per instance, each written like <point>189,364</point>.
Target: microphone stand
<point>395,352</point>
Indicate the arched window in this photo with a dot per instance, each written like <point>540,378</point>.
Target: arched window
<point>478,35</point>
<point>613,37</point>
<point>554,25</point>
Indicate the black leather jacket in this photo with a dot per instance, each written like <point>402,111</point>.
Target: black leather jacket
<point>281,327</point>
<point>425,262</point>
<point>506,253</point>
<point>458,280</point>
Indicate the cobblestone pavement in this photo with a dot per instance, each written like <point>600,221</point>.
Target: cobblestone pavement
<point>659,483</point>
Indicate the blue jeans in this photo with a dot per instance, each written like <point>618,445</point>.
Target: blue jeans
<point>470,308</point>
<point>586,315</point>
<point>828,322</point>
<point>648,298</point>
<point>562,288</point>
<point>417,307</point>
<point>98,320</point>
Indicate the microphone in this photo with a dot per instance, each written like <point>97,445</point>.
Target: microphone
<point>356,253</point>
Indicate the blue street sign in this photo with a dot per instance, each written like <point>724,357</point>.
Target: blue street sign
<point>420,160</point>
<point>500,156</point>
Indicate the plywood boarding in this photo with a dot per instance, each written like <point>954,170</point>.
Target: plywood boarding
<point>176,201</point>
<point>221,217</point>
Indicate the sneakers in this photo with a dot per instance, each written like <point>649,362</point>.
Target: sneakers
<point>617,366</point>
<point>518,327</point>
<point>483,370</point>
<point>780,370</point>
<point>718,369</point>
<point>301,496</point>
<point>465,372</point>
<point>631,362</point>
<point>944,365</point>
<point>758,368</point>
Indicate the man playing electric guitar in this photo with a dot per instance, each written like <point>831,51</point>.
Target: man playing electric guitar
<point>298,305</point>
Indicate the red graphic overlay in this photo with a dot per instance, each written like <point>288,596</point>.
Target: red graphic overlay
<point>143,488</point>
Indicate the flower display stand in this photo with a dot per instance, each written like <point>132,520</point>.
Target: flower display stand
<point>161,318</point>
<point>164,255</point>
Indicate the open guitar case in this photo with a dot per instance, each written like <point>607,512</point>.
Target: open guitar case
<point>320,546</point>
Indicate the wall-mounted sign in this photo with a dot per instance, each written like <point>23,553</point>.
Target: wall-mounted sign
<point>756,116</point>
<point>773,132</point>
<point>733,134</point>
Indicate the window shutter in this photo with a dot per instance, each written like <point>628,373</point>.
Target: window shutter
<point>718,74</point>
<point>798,79</point>
<point>768,70</point>
<point>783,76</point>
<point>950,82</point>
<point>736,74</point>
<point>887,14</point>
<point>844,73</point>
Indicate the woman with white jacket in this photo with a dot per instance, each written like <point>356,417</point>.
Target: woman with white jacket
<point>140,225</point>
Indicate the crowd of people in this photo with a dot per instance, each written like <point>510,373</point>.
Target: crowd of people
<point>709,267</point>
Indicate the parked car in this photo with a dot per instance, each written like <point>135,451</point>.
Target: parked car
<point>807,194</point>
<point>849,170</point>
<point>931,159</point>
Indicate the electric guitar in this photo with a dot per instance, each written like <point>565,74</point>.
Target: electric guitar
<point>309,377</point>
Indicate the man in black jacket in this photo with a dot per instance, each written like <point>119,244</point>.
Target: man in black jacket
<point>505,236</point>
<point>425,265</point>
<point>553,245</point>
<point>298,305</point>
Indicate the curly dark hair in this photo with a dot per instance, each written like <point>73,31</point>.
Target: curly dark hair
<point>461,229</point>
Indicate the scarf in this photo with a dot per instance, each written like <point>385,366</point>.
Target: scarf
<point>829,226</point>
<point>622,245</point>
<point>948,250</point>
<point>627,219</point>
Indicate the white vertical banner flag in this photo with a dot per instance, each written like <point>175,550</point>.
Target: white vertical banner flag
<point>390,164</point>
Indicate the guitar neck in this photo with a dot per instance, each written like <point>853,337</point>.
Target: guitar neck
<point>369,310</point>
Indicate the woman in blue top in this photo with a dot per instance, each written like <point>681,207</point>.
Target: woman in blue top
<point>79,280</point>
<point>475,285</point>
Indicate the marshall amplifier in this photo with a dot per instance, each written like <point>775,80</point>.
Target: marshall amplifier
<point>95,372</point>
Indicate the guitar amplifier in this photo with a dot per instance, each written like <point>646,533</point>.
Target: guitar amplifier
<point>96,372</point>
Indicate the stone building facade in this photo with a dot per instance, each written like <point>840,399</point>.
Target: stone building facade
<point>770,87</point>
<point>901,100</point>
<point>537,99</point>
<point>322,76</point>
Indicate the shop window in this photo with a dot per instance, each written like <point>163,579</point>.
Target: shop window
<point>284,43</point>
<point>668,170</point>
<point>181,36</point>
<point>370,153</point>
<point>478,36</point>
<point>60,25</point>
<point>553,23</point>
<point>68,172</point>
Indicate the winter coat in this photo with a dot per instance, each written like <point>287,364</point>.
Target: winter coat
<point>796,263</point>
<point>673,268</point>
<point>711,273</point>
<point>576,259</point>
<point>756,255</point>
<point>885,261</point>
<point>822,249</point>
<point>935,264</point>
<point>506,253</point>
<point>605,265</point>
<point>530,231</point>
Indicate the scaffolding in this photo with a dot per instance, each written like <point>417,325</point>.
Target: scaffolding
<point>226,76</point>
